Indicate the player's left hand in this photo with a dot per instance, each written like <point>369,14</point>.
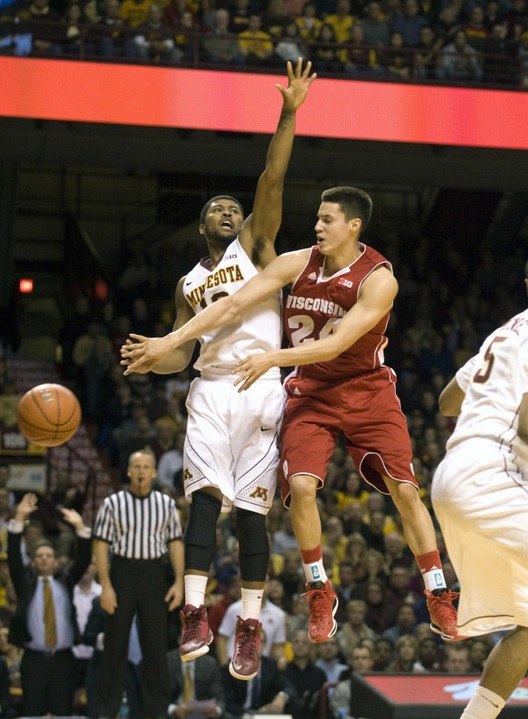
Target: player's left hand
<point>141,354</point>
<point>299,81</point>
<point>251,368</point>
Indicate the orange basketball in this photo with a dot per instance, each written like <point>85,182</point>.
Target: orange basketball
<point>49,414</point>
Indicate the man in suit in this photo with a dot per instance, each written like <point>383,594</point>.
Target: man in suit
<point>201,689</point>
<point>45,623</point>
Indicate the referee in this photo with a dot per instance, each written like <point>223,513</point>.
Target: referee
<point>139,527</point>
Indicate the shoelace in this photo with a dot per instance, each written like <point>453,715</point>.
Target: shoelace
<point>317,601</point>
<point>245,641</point>
<point>192,623</point>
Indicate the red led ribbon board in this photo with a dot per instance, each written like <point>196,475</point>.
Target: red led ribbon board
<point>424,696</point>
<point>244,102</point>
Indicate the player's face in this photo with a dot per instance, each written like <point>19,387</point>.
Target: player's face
<point>223,221</point>
<point>332,230</point>
<point>141,472</point>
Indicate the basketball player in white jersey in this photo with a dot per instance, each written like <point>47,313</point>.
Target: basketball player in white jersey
<point>480,496</point>
<point>230,452</point>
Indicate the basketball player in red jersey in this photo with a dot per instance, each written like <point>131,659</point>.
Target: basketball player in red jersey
<point>335,319</point>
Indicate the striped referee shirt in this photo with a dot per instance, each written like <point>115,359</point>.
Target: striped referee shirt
<point>138,527</point>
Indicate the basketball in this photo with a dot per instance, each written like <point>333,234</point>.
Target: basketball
<point>49,415</point>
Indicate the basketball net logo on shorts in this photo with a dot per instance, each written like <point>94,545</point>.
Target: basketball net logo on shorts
<point>260,493</point>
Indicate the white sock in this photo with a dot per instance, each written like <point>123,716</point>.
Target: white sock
<point>195,585</point>
<point>484,704</point>
<point>315,571</point>
<point>251,603</point>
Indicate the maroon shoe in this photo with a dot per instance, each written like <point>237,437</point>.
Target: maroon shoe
<point>245,661</point>
<point>323,605</point>
<point>443,614</point>
<point>196,635</point>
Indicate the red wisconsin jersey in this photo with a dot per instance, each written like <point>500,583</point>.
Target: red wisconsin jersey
<point>317,304</point>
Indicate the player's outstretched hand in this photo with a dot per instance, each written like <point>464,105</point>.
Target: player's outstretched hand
<point>141,354</point>
<point>299,81</point>
<point>251,368</point>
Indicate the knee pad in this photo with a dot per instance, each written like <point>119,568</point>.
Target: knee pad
<point>253,543</point>
<point>199,537</point>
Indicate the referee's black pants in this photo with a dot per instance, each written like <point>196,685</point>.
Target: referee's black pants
<point>140,586</point>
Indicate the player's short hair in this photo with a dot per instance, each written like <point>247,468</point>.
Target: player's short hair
<point>352,201</point>
<point>215,199</point>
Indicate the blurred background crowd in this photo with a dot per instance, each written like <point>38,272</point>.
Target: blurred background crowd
<point>449,41</point>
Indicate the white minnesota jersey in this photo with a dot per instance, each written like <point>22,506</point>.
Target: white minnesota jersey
<point>259,330</point>
<point>494,382</point>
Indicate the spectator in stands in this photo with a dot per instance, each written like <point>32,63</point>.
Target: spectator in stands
<point>517,14</point>
<point>13,658</point>
<point>309,24</point>
<point>408,24</point>
<point>383,655</point>
<point>305,677</point>
<point>135,13</point>
<point>45,623</point>
<point>290,46</point>
<point>456,658</point>
<point>380,614</point>
<point>185,37</point>
<point>292,577</point>
<point>361,662</point>
<point>276,19</point>
<point>239,15</point>
<point>9,401</point>
<point>522,56</point>
<point>220,45</point>
<point>44,23</point>
<point>396,60</point>
<point>354,629</point>
<point>255,44</point>
<point>174,10</point>
<point>500,65</point>
<point>427,660</point>
<point>109,35</point>
<point>284,538</point>
<point>405,623</point>
<point>153,41</point>
<point>445,30</point>
<point>406,654</point>
<point>341,20</point>
<point>84,593</point>
<point>479,650</point>
<point>329,660</point>
<point>375,26</point>
<point>460,62</point>
<point>324,52</point>
<point>359,59</point>
<point>475,29</point>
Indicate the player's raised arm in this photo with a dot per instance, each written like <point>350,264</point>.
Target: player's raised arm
<point>260,229</point>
